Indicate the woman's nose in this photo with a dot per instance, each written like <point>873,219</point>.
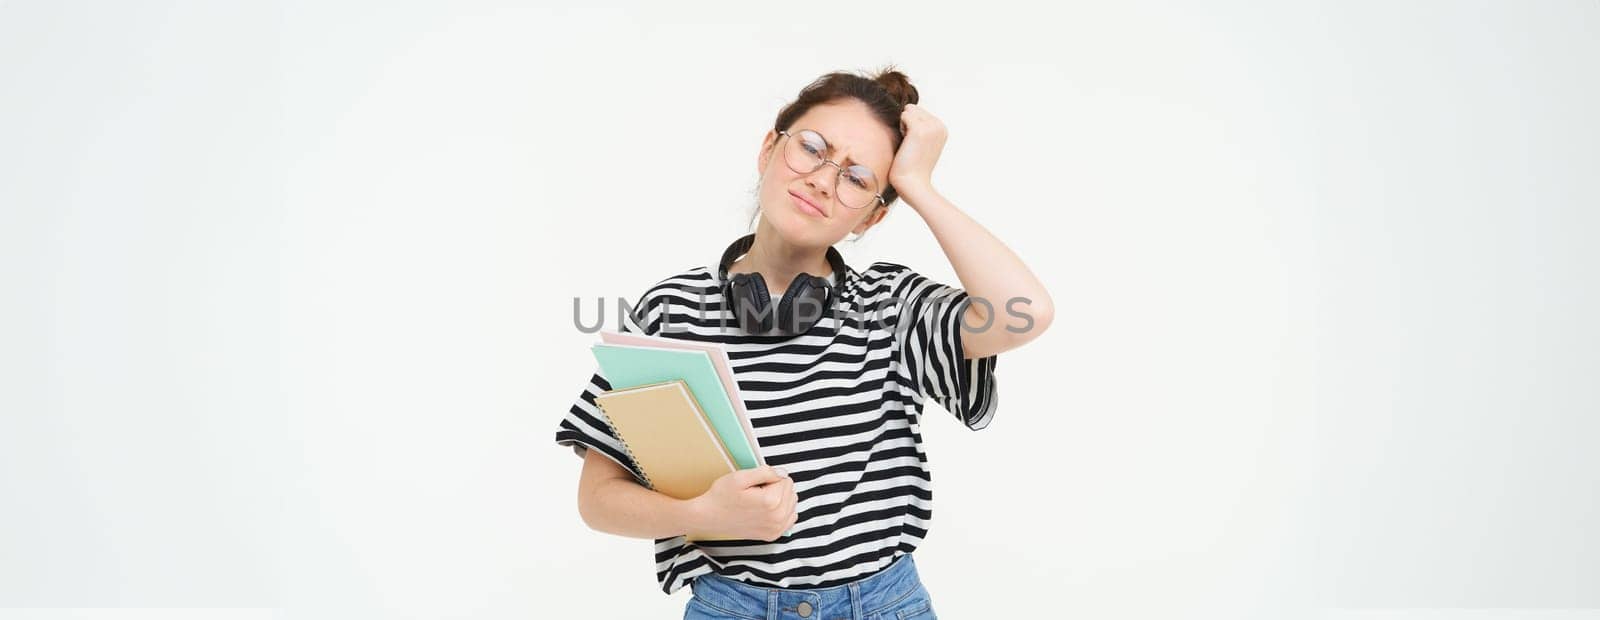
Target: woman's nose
<point>819,179</point>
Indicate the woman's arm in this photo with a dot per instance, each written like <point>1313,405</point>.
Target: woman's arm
<point>756,504</point>
<point>989,271</point>
<point>987,268</point>
<point>609,500</point>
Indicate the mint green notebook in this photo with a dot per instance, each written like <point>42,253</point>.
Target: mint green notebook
<point>627,366</point>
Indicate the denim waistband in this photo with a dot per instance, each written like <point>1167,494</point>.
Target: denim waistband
<point>862,596</point>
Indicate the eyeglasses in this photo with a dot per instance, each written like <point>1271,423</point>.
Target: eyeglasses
<point>856,186</point>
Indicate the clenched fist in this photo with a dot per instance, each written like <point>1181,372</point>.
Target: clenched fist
<point>754,504</point>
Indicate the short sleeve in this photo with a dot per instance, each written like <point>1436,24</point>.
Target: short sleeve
<point>930,332</point>
<point>584,427</point>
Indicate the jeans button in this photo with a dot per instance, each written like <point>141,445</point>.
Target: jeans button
<point>804,609</point>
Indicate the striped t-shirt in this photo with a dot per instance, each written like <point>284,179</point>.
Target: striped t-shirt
<point>838,407</point>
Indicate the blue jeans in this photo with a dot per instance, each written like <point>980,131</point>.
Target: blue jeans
<point>894,593</point>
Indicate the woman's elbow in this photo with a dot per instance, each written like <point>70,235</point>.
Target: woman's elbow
<point>585,513</point>
<point>589,509</point>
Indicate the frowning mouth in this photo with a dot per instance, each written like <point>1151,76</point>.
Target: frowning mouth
<point>805,206</point>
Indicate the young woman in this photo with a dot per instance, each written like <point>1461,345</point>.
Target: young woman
<point>835,396</point>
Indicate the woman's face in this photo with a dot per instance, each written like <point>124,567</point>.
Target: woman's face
<point>854,136</point>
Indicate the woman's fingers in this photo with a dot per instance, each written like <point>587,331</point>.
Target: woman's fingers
<point>790,498</point>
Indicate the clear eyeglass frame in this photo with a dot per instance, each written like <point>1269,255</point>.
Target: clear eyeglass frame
<point>839,180</point>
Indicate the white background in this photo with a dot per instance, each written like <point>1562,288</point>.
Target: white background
<point>288,297</point>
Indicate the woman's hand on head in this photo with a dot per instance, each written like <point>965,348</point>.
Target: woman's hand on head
<point>912,168</point>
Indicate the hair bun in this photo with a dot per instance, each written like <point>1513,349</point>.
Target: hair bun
<point>898,85</point>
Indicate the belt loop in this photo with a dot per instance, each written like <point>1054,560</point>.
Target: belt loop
<point>855,602</point>
<point>772,604</point>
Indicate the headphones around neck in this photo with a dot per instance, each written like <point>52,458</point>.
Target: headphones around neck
<point>808,299</point>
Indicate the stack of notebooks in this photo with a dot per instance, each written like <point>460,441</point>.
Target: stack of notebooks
<point>676,408</point>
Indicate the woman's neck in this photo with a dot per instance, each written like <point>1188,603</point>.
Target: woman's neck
<point>779,262</point>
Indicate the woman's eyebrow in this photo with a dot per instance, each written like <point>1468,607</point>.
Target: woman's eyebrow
<point>833,148</point>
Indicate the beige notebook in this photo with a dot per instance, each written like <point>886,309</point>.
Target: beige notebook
<point>666,434</point>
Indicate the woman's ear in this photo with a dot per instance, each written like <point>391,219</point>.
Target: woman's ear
<point>763,156</point>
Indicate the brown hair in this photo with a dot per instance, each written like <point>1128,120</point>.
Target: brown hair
<point>885,92</point>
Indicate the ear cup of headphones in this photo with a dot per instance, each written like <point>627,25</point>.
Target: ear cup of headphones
<point>803,304</point>
<point>750,302</point>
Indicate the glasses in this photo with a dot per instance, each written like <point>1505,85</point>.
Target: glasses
<point>856,186</point>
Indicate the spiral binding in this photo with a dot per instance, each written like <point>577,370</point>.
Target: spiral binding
<point>637,466</point>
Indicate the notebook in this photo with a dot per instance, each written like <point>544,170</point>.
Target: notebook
<point>626,366</point>
<point>719,359</point>
<point>667,436</point>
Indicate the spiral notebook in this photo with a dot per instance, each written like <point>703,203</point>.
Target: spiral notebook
<point>724,368</point>
<point>665,432</point>
<point>667,435</point>
<point>631,365</point>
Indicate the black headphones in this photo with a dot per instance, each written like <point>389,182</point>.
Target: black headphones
<point>808,299</point>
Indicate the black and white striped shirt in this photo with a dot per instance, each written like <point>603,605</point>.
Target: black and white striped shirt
<point>839,407</point>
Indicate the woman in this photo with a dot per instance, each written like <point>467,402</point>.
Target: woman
<point>826,529</point>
